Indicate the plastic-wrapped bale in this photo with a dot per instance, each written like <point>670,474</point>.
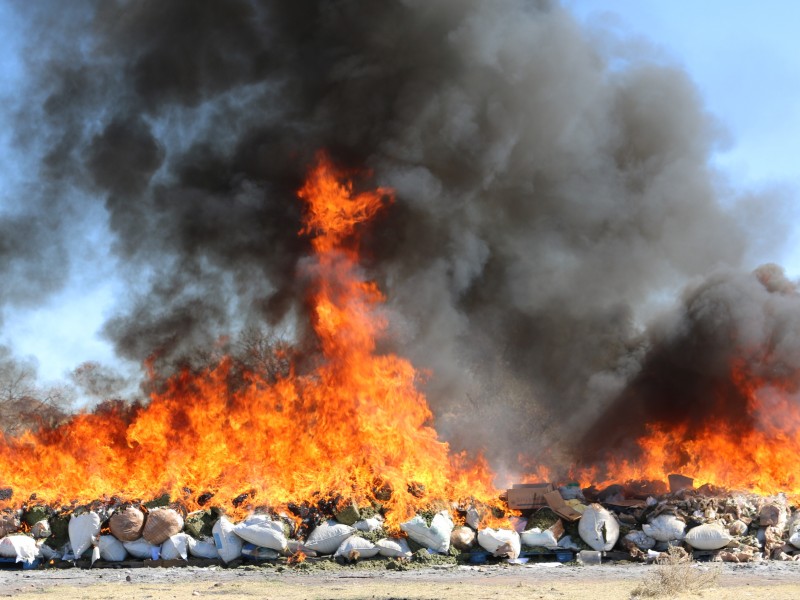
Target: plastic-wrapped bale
<point>126,525</point>
<point>536,538</point>
<point>327,537</point>
<point>462,538</point>
<point>500,542</point>
<point>394,548</point>
<point>161,524</point>
<point>665,528</point>
<point>254,552</point>
<point>711,536</point>
<point>794,530</point>
<point>21,547</point>
<point>738,527</point>
<point>598,528</point>
<point>176,546</point>
<point>641,540</point>
<point>436,537</point>
<point>356,547</point>
<point>82,531</point>
<point>142,549</point>
<point>263,532</point>
<point>229,545</point>
<point>111,549</point>
<point>772,514</point>
<point>9,523</point>
<point>203,548</point>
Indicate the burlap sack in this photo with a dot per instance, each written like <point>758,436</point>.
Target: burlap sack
<point>126,525</point>
<point>162,523</point>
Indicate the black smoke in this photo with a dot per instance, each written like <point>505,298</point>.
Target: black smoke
<point>549,198</point>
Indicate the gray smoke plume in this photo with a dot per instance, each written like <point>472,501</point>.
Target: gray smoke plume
<point>548,200</point>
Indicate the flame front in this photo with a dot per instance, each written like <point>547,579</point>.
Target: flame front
<point>354,426</point>
<point>753,450</point>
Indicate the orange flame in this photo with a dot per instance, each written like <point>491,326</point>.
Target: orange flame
<point>755,451</point>
<point>355,426</point>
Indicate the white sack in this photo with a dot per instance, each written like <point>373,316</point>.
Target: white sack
<point>263,532</point>
<point>229,545</point>
<point>365,548</point>
<point>95,554</point>
<point>41,529</point>
<point>794,540</point>
<point>142,549</point>
<point>111,549</point>
<point>21,547</point>
<point>81,531</point>
<point>708,537</point>
<point>436,537</point>
<point>327,537</point>
<point>176,546</point>
<point>598,528</point>
<point>536,538</point>
<point>665,528</point>
<point>46,552</point>
<point>203,548</point>
<point>500,542</point>
<point>370,524</point>
<point>394,548</point>
<point>641,540</point>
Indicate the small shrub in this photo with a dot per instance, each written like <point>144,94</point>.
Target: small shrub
<point>673,575</point>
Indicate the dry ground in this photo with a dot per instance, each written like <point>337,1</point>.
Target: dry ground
<point>775,581</point>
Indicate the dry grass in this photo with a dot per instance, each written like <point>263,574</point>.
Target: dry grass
<point>673,575</point>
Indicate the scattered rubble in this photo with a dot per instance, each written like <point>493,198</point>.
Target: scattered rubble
<point>546,523</point>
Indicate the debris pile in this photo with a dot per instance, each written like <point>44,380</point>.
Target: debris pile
<point>543,523</point>
<point>636,522</point>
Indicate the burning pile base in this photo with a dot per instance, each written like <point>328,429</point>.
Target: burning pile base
<point>620,522</point>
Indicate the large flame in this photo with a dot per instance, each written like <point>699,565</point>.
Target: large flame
<point>354,427</point>
<point>752,449</point>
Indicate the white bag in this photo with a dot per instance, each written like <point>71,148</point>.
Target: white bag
<point>81,531</point>
<point>142,549</point>
<point>21,547</point>
<point>598,528</point>
<point>327,537</point>
<point>111,549</point>
<point>500,542</point>
<point>394,548</point>
<point>229,545</point>
<point>641,540</point>
<point>203,548</point>
<point>46,552</point>
<point>370,524</point>
<point>95,554</point>
<point>176,546</point>
<point>41,529</point>
<point>436,537</point>
<point>263,532</point>
<point>665,528</point>
<point>536,538</point>
<point>708,537</point>
<point>365,548</point>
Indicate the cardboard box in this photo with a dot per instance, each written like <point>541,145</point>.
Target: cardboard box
<point>524,496</point>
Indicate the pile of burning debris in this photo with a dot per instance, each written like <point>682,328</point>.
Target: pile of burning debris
<point>633,522</point>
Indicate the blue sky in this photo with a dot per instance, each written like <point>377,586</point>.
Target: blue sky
<point>743,56</point>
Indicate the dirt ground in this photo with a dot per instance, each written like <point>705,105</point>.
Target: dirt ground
<point>776,581</point>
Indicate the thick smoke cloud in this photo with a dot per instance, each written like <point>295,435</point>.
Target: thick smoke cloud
<point>547,201</point>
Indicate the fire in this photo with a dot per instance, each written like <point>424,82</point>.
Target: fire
<point>356,426</point>
<point>754,451</point>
